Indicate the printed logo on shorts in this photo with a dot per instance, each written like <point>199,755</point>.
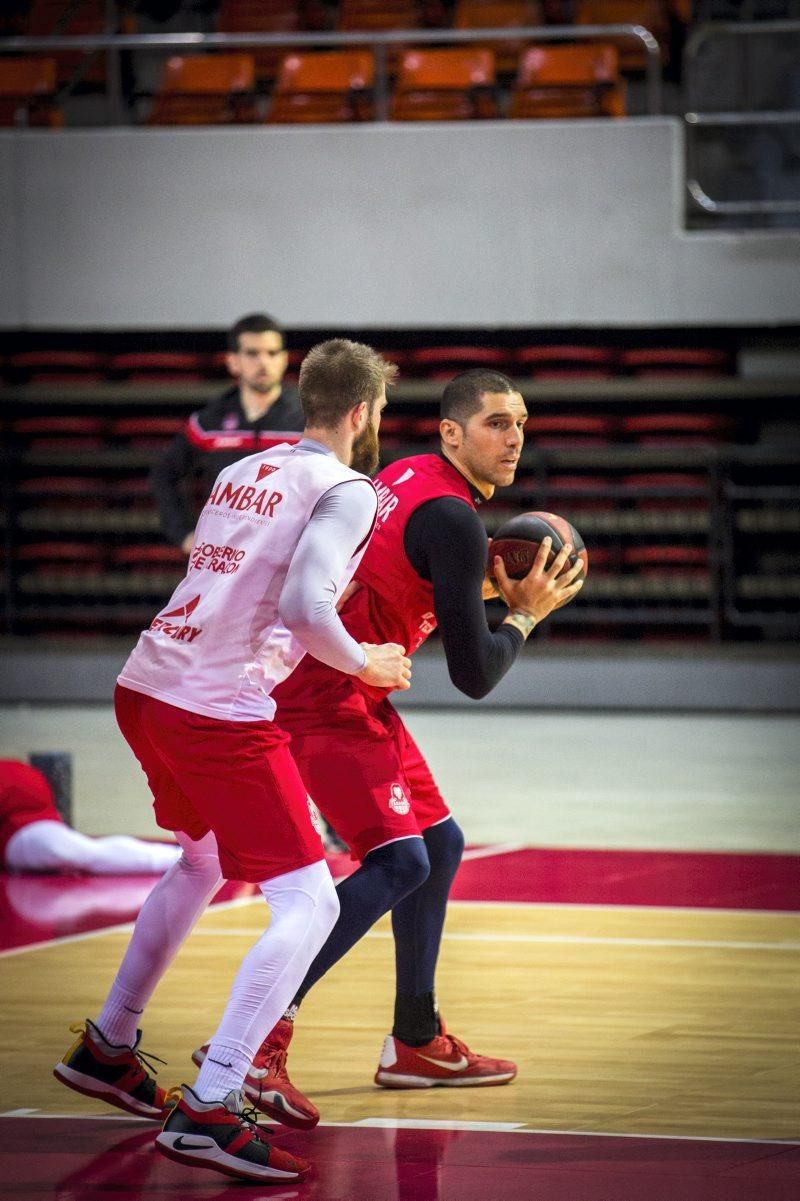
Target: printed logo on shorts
<point>398,801</point>
<point>314,814</point>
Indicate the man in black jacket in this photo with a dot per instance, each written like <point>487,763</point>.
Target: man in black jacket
<point>252,416</point>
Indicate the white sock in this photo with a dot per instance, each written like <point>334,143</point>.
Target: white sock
<point>165,920</point>
<point>50,846</point>
<point>304,907</point>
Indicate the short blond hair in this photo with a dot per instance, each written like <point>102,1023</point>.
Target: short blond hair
<point>338,374</point>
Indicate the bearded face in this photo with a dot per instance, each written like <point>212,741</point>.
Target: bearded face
<point>366,448</point>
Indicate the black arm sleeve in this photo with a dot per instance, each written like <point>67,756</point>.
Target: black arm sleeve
<point>169,476</point>
<point>446,543</point>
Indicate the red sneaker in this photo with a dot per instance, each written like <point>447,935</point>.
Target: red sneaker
<point>267,1084</point>
<point>445,1061</point>
<point>223,1136</point>
<point>117,1075</point>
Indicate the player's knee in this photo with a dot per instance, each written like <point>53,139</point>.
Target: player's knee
<point>406,864</point>
<point>327,906</point>
<point>445,845</point>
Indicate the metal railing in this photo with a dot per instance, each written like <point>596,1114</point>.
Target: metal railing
<point>767,118</point>
<point>115,44</point>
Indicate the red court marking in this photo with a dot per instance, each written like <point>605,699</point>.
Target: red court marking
<point>35,909</point>
<point>58,1159</point>
<point>689,879</point>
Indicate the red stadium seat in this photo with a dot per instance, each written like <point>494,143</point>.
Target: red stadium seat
<point>678,490</point>
<point>206,89</point>
<point>568,81</point>
<point>59,366</point>
<point>560,362</point>
<point>442,362</point>
<point>668,555</point>
<point>155,554</point>
<point>676,360</point>
<point>166,366</point>
<point>676,428</point>
<point>552,431</point>
<point>444,85</point>
<point>330,86</point>
<point>27,92</point>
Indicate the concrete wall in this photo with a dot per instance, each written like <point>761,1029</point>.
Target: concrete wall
<point>513,224</point>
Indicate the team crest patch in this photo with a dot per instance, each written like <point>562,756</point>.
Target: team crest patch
<point>314,814</point>
<point>398,801</point>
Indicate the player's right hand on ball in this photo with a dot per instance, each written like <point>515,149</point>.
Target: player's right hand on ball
<point>387,666</point>
<point>544,588</point>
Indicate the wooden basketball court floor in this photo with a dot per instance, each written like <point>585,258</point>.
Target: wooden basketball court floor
<point>650,997</point>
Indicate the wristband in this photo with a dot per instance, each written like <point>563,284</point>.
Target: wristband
<point>522,622</point>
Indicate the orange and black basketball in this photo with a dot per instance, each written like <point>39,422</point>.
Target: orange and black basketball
<point>517,542</point>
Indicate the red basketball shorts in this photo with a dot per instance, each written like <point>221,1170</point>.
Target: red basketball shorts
<point>25,797</point>
<point>363,769</point>
<point>236,778</point>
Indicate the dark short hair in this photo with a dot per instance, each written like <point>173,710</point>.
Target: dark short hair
<point>338,374</point>
<point>462,396</point>
<point>253,323</point>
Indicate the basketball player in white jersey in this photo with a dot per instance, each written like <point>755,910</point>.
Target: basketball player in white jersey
<point>275,547</point>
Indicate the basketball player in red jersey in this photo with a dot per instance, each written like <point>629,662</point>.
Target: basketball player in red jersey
<point>425,566</point>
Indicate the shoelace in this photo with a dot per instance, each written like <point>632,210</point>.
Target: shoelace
<point>146,1059</point>
<point>249,1117</point>
<point>457,1045</point>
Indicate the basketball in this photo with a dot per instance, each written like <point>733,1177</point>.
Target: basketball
<point>517,542</point>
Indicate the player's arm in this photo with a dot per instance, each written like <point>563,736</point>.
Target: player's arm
<point>168,477</point>
<point>341,523</point>
<point>446,543</point>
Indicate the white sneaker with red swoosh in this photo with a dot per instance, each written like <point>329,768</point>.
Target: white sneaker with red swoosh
<point>445,1061</point>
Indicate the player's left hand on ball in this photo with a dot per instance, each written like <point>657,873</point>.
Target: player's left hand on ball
<point>489,589</point>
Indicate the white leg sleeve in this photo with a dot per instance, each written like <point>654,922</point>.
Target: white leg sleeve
<point>50,846</point>
<point>304,907</point>
<point>165,920</point>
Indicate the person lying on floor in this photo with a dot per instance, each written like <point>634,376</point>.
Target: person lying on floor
<point>34,838</point>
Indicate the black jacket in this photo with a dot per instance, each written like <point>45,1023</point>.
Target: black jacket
<point>213,438</point>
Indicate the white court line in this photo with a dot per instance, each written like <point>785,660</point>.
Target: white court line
<point>498,848</point>
<point>237,903</point>
<point>576,939</point>
<point>436,1124</point>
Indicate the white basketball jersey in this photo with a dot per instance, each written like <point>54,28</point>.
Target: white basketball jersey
<point>218,647</point>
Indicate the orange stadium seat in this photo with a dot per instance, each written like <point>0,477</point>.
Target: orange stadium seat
<point>652,14</point>
<point>205,89</point>
<point>329,86</point>
<point>444,85</point>
<point>254,16</point>
<point>497,14</point>
<point>378,15</point>
<point>568,81</point>
<point>71,18</point>
<point>27,92</point>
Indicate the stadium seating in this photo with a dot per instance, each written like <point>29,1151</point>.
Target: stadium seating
<point>205,89</point>
<point>498,14</point>
<point>330,86</point>
<point>568,81</point>
<point>444,85</point>
<point>27,92</point>
<point>652,14</point>
<point>254,16</point>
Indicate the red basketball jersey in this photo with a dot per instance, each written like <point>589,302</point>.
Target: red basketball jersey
<point>393,603</point>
